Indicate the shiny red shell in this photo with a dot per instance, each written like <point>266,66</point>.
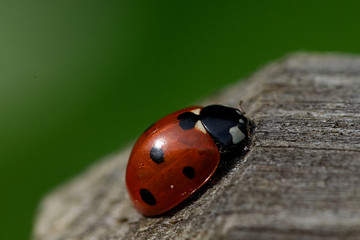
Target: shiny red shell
<point>165,183</point>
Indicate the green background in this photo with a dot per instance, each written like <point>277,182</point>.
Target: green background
<point>80,79</point>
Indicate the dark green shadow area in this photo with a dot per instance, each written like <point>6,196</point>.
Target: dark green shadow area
<point>80,79</point>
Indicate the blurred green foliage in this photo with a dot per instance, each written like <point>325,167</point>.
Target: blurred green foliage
<point>79,79</point>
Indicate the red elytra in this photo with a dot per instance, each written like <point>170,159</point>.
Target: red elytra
<point>166,181</point>
<point>179,153</point>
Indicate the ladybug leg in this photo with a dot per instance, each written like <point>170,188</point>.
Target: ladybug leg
<point>241,108</point>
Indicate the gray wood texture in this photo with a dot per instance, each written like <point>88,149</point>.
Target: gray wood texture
<point>299,180</point>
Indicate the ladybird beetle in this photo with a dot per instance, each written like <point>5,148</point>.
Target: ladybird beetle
<point>178,154</point>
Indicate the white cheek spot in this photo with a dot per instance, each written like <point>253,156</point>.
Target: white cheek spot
<point>196,111</point>
<point>236,134</point>
<point>241,121</point>
<point>200,127</point>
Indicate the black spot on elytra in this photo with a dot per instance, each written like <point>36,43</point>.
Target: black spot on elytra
<point>147,197</point>
<point>157,155</point>
<point>189,172</point>
<point>188,120</point>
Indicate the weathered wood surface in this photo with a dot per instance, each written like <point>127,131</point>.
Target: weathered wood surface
<point>300,179</point>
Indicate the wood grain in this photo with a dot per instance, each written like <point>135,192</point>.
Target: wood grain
<point>299,180</point>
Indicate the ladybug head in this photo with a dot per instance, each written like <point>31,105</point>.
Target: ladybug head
<point>227,126</point>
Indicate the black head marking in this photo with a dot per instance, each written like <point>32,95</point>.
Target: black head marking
<point>188,120</point>
<point>157,155</point>
<point>243,124</point>
<point>218,120</point>
<point>147,197</point>
<point>189,172</point>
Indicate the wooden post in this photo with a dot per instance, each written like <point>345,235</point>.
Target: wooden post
<point>299,180</point>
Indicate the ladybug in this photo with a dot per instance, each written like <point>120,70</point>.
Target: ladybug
<point>178,154</point>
